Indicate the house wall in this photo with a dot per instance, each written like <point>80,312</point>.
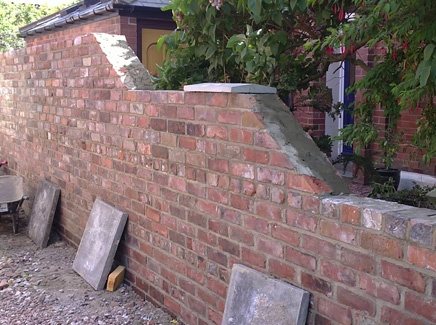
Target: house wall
<point>110,23</point>
<point>408,158</point>
<point>208,181</point>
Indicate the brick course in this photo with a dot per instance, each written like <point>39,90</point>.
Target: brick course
<point>205,186</point>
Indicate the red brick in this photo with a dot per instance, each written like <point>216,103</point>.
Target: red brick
<point>269,247</point>
<point>269,211</point>
<point>343,233</point>
<point>242,170</point>
<point>177,183</point>
<point>185,113</point>
<point>319,246</point>
<point>264,139</point>
<point>152,214</point>
<point>282,270</point>
<point>229,151</point>
<point>253,257</point>
<point>421,257</point>
<point>421,306</point>
<point>158,124</point>
<point>176,127</point>
<point>229,247</point>
<point>379,289</point>
<point>273,176</point>
<point>216,286</point>
<point>159,152</point>
<point>294,256</point>
<point>395,317</point>
<point>338,273</point>
<point>217,99</point>
<point>197,190</point>
<point>217,132</point>
<point>254,155</point>
<point>332,310</point>
<point>241,202</point>
<point>311,204</point>
<point>252,120</point>
<point>350,214</point>
<point>278,159</point>
<point>207,297</point>
<point>172,304</point>
<point>242,236</point>
<point>242,136</point>
<point>313,283</point>
<point>278,195</point>
<point>256,224</point>
<point>218,165</point>
<point>195,130</point>
<point>203,113</point>
<point>355,301</point>
<point>219,227</point>
<point>306,184</point>
<point>187,143</point>
<point>403,276</point>
<point>217,195</point>
<point>229,117</point>
<point>358,261</point>
<point>285,234</point>
<point>381,245</point>
<point>214,317</point>
<point>295,200</point>
<point>208,207</point>
<point>302,221</point>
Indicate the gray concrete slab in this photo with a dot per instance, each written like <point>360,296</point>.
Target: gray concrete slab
<point>240,88</point>
<point>99,243</point>
<point>43,211</point>
<point>255,298</point>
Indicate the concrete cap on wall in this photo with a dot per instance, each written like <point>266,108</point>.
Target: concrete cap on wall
<point>240,88</point>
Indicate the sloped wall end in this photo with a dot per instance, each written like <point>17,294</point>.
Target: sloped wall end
<point>124,61</point>
<point>297,146</point>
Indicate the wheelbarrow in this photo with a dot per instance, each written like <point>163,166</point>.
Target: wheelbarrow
<point>11,197</point>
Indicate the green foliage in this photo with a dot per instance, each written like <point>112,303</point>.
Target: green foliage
<point>404,76</point>
<point>259,41</point>
<point>416,196</point>
<point>361,164</point>
<point>14,15</point>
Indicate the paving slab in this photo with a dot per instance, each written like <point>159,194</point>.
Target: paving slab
<point>43,211</point>
<point>239,88</point>
<point>255,298</point>
<point>99,243</point>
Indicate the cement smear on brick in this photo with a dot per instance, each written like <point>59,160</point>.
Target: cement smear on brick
<point>124,61</point>
<point>298,147</point>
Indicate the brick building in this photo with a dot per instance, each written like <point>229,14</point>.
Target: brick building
<point>142,22</point>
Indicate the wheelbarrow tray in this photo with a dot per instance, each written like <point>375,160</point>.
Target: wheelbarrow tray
<point>11,189</point>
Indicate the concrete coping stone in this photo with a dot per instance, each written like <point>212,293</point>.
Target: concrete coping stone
<point>239,88</point>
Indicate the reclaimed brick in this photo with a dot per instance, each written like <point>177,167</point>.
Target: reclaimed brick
<point>313,283</point>
<point>356,301</point>
<point>340,314</point>
<point>381,245</point>
<point>404,276</point>
<point>379,289</point>
<point>422,257</point>
<point>343,233</point>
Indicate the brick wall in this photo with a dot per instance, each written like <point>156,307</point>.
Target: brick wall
<point>208,181</point>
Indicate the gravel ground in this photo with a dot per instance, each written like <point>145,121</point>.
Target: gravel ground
<point>38,286</point>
